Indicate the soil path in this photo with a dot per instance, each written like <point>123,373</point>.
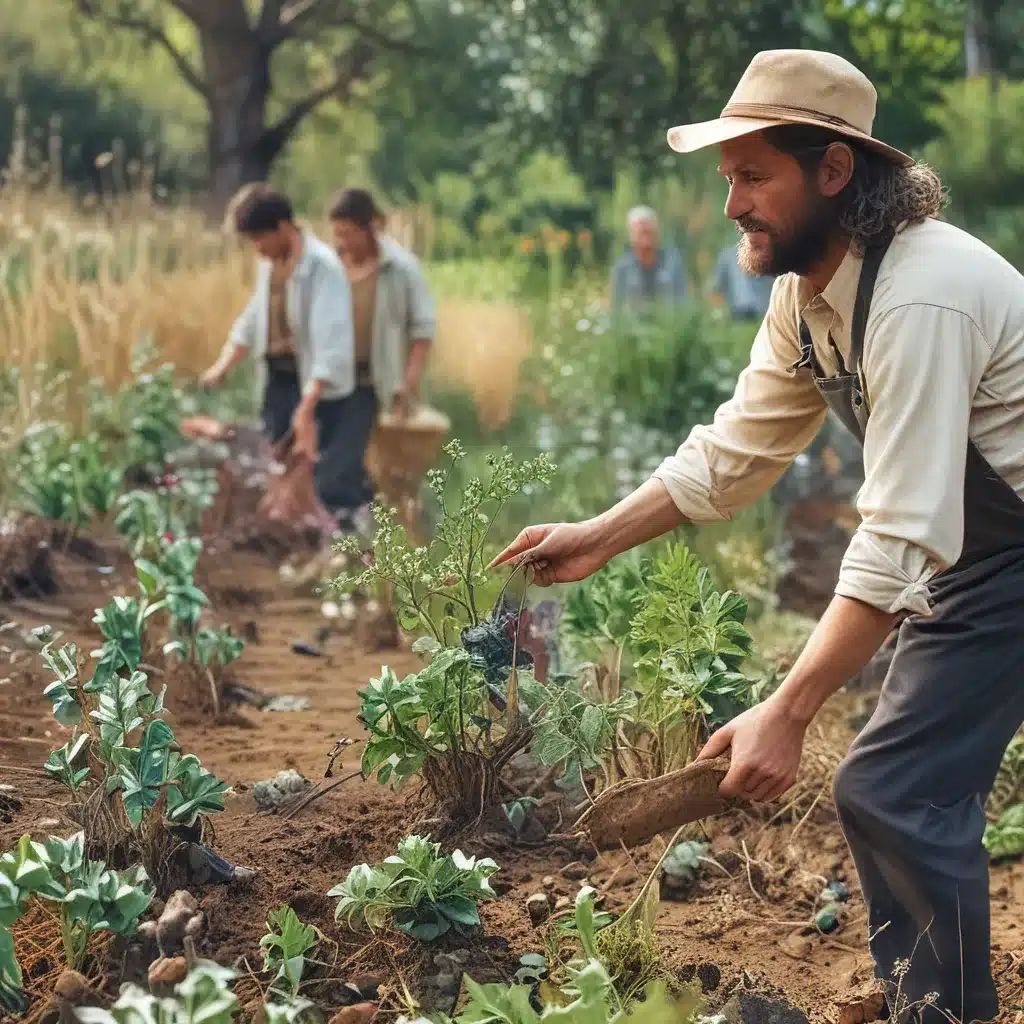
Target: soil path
<point>735,927</point>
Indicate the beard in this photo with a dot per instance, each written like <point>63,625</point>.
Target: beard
<point>794,250</point>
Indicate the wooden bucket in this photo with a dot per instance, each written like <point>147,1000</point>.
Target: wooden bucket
<point>402,450</point>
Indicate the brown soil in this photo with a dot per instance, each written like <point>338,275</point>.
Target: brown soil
<point>736,925</point>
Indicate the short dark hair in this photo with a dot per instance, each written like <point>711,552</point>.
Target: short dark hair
<point>881,194</point>
<point>263,208</point>
<point>356,205</point>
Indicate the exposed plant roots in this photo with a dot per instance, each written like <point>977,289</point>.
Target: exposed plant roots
<point>40,951</point>
<point>109,837</point>
<point>465,787</point>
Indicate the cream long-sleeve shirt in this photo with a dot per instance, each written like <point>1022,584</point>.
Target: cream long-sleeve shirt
<point>943,362</point>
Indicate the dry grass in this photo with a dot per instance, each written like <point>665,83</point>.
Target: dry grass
<point>480,348</point>
<point>80,286</point>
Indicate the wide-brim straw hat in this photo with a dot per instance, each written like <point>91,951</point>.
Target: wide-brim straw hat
<point>793,87</point>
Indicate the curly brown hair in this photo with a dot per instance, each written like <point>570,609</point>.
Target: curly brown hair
<point>881,193</point>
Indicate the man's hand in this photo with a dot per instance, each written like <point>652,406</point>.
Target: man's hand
<point>401,402</point>
<point>213,377</point>
<point>304,431</point>
<point>766,743</point>
<point>558,552</point>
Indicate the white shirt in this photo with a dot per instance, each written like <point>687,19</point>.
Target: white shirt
<point>943,362</point>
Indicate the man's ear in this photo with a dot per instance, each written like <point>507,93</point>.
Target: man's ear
<point>835,169</point>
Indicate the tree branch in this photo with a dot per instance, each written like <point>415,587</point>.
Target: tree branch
<point>151,33</point>
<point>355,65</point>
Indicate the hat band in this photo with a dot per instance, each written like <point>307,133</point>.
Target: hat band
<point>781,112</point>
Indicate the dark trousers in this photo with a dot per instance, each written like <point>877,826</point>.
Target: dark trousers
<point>911,793</point>
<point>344,427</point>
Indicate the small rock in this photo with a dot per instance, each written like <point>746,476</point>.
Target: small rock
<point>44,823</point>
<point>361,1013</point>
<point>170,928</point>
<point>796,945</point>
<point>863,1006</point>
<point>243,875</point>
<point>73,988</point>
<point>548,882</point>
<point>539,907</point>
<point>448,983</point>
<point>562,903</point>
<point>167,971</point>
<point>576,870</point>
<point>273,794</point>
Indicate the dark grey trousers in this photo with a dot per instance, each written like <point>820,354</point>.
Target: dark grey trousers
<point>911,793</point>
<point>344,427</point>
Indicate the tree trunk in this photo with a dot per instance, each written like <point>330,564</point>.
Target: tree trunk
<point>238,75</point>
<point>978,41</point>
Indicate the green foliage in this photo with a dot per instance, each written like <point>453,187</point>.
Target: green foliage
<point>92,898</point>
<point>1008,788</point>
<point>419,891</point>
<point>979,153</point>
<point>518,812</point>
<point>424,715</point>
<point>218,646</point>
<point>437,588</point>
<point>1005,838</point>
<point>64,480</point>
<point>152,519</point>
<point>587,993</point>
<point>63,663</point>
<point>61,763</point>
<point>574,730</point>
<point>206,996</point>
<point>285,946</point>
<point>23,872</point>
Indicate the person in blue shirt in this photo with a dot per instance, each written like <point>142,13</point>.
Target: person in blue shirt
<point>648,273</point>
<point>746,296</point>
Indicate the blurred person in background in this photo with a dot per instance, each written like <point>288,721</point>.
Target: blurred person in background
<point>746,295</point>
<point>298,327</point>
<point>648,273</point>
<point>912,332</point>
<point>392,308</point>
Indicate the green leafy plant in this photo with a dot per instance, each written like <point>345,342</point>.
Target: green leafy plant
<point>1005,838</point>
<point>150,519</point>
<point>440,588</point>
<point>61,764</point>
<point>205,996</point>
<point>418,891</point>
<point>585,993</point>
<point>23,872</point>
<point>458,721</point>
<point>92,898</point>
<point>518,813</point>
<point>676,672</point>
<point>122,745</point>
<point>285,946</point>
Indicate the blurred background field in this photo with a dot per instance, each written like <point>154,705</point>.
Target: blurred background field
<point>508,140</point>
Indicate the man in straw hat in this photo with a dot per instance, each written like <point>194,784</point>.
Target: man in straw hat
<point>913,333</point>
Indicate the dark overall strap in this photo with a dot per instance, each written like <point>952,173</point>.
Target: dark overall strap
<point>993,511</point>
<point>873,257</point>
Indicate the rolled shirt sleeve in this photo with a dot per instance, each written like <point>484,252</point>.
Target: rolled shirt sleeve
<point>773,415</point>
<point>332,345</point>
<point>923,364</point>
<point>422,313</point>
<point>243,331</point>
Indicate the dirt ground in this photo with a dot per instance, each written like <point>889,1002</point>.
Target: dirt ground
<point>743,924</point>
